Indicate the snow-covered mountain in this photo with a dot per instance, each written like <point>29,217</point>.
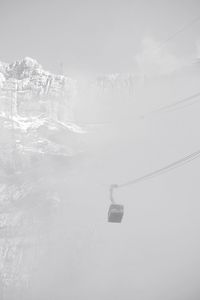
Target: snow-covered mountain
<point>39,143</point>
<point>27,89</point>
<point>30,99</point>
<point>29,74</point>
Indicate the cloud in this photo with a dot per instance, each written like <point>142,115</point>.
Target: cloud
<point>154,60</point>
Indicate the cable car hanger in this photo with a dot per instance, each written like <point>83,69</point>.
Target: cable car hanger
<point>116,211</point>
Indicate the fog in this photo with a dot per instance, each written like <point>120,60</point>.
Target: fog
<point>154,253</point>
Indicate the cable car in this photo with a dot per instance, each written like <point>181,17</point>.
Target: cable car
<point>115,213</point>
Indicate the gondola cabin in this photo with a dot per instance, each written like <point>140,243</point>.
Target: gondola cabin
<point>115,213</point>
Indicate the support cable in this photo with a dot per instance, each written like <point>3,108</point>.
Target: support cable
<point>185,102</point>
<point>176,164</point>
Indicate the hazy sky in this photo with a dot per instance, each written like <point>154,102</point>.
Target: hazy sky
<point>91,35</point>
<point>154,253</point>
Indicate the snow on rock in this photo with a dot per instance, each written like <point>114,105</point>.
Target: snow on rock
<point>38,140</point>
<point>35,90</point>
<point>2,80</point>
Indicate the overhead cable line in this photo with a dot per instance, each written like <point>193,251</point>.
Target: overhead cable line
<point>176,164</point>
<point>176,33</point>
<point>162,44</point>
<point>116,211</point>
<point>190,100</point>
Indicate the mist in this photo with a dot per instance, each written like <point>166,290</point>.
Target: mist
<point>134,110</point>
<point>153,253</point>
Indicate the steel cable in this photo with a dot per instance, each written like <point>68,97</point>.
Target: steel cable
<point>178,163</point>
